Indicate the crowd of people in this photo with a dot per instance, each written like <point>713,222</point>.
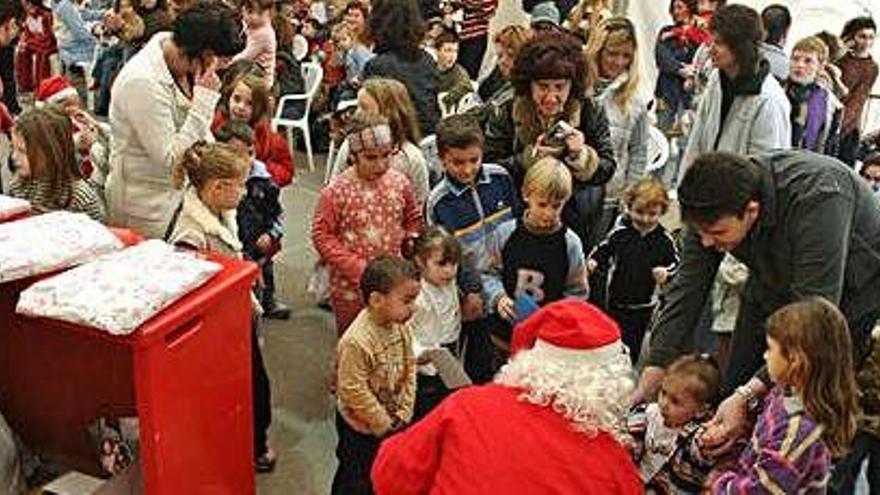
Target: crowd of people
<point>512,315</point>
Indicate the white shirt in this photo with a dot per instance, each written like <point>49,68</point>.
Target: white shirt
<point>437,319</point>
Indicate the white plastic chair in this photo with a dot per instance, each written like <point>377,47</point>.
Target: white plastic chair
<point>658,150</point>
<point>312,74</point>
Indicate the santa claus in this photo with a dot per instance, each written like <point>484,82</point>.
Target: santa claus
<point>551,423</point>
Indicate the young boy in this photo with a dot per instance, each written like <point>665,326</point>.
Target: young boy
<point>454,80</point>
<point>666,432</point>
<point>641,255</point>
<point>376,371</point>
<point>470,202</point>
<point>353,54</point>
<point>539,260</point>
<point>870,171</point>
<point>815,116</point>
<point>261,44</point>
<point>859,73</point>
<point>259,216</point>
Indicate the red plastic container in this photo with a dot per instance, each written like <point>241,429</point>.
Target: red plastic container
<point>186,374</point>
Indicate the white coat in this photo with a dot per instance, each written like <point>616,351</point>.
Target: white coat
<point>152,123</point>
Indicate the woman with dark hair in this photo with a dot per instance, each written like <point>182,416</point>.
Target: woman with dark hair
<point>674,52</point>
<point>550,116</point>
<point>742,110</point>
<point>396,26</point>
<point>163,102</point>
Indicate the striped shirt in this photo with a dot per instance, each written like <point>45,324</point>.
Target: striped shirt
<point>79,197</point>
<point>785,456</point>
<point>477,14</point>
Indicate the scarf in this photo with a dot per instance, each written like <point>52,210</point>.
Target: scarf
<point>808,110</point>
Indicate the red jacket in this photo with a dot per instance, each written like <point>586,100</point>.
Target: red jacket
<point>42,38</point>
<point>485,441</point>
<point>271,148</point>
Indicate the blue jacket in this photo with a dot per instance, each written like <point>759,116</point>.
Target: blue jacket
<point>472,214</point>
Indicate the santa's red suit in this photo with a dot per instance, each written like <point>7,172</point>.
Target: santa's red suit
<point>490,440</point>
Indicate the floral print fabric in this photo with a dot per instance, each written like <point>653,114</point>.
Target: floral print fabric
<point>120,291</point>
<point>50,242</point>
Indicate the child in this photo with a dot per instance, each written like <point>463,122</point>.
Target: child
<point>870,171</point>
<point>389,98</point>
<point>437,319</point>
<point>247,99</point>
<point>471,201</point>
<point>809,416</point>
<point>376,373</point>
<point>641,255</point>
<point>537,257</point>
<point>90,137</point>
<point>353,54</point>
<point>215,176</point>
<point>36,45</point>
<point>859,73</point>
<point>454,80</point>
<point>261,44</point>
<point>47,173</point>
<point>259,217</point>
<point>666,432</point>
<point>365,212</point>
<point>815,111</point>
<point>866,446</point>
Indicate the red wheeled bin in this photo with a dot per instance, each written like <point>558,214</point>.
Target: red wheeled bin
<point>186,374</point>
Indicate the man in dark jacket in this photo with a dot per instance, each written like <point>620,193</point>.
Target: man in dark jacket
<point>803,223</point>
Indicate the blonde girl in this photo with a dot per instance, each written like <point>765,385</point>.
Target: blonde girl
<point>809,416</point>
<point>613,78</point>
<point>47,173</point>
<point>366,211</point>
<point>585,16</point>
<point>390,99</point>
<point>214,176</point>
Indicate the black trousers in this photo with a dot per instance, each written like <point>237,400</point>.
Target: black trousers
<point>849,147</point>
<point>262,397</point>
<point>865,447</point>
<point>633,325</point>
<point>267,294</point>
<point>470,54</point>
<point>430,392</point>
<point>355,453</point>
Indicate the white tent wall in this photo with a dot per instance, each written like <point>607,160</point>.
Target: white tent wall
<point>810,17</point>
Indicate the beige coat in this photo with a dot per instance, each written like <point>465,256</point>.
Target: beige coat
<point>199,228</point>
<point>152,123</point>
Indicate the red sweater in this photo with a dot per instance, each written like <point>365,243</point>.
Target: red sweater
<point>485,441</point>
<point>271,148</point>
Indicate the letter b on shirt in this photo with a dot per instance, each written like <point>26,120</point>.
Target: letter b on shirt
<point>529,282</point>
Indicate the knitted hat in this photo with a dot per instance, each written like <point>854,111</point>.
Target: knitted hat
<point>569,329</point>
<point>545,12</point>
<point>54,90</point>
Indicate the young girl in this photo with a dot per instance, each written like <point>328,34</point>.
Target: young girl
<point>437,319</point>
<point>376,372</point>
<point>390,98</point>
<point>666,432</point>
<point>364,212</point>
<point>585,16</point>
<point>261,44</point>
<point>809,416</point>
<point>247,99</point>
<point>35,45</point>
<point>47,173</point>
<point>216,175</point>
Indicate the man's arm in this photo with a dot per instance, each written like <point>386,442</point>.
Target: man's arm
<point>687,296</point>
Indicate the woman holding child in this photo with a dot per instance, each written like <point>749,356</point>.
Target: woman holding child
<point>549,116</point>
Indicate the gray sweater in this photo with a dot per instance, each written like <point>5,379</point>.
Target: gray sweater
<point>818,233</point>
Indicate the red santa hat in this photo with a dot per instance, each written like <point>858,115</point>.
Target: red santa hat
<point>54,90</point>
<point>569,329</point>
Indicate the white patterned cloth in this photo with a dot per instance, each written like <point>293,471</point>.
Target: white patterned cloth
<point>50,242</point>
<point>11,207</point>
<point>120,291</point>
